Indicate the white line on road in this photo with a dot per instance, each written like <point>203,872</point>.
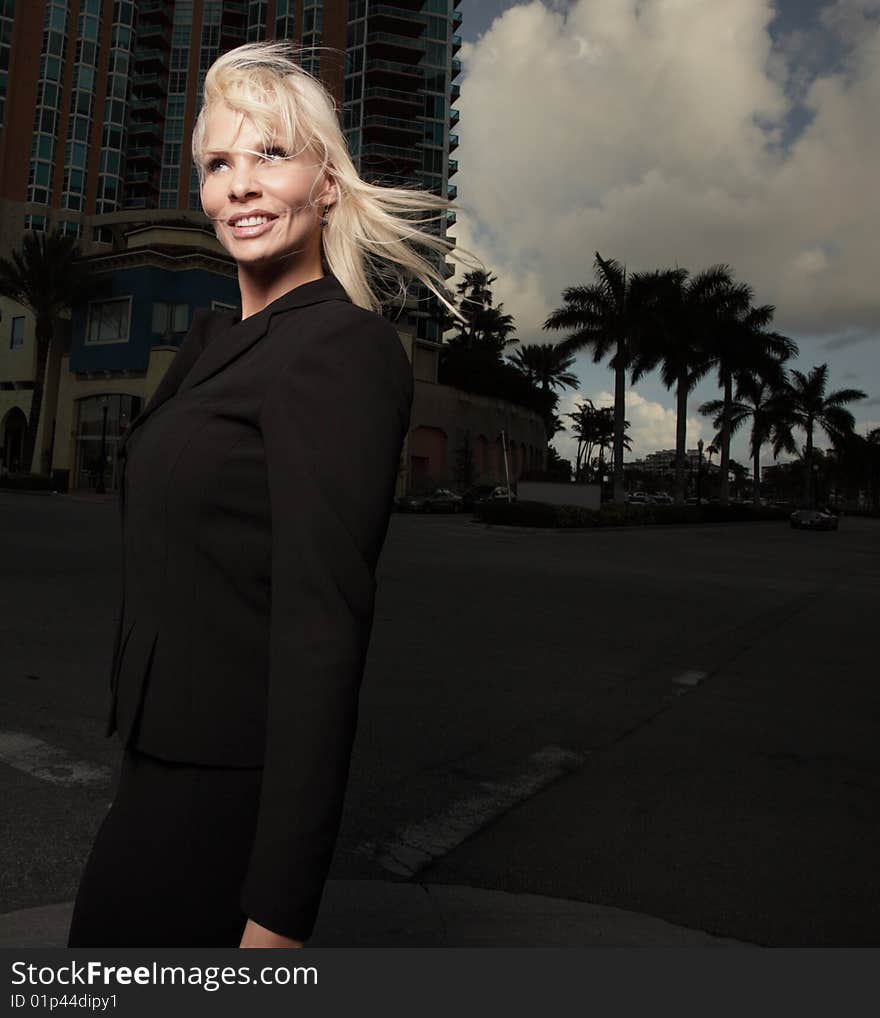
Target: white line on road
<point>414,846</point>
<point>690,678</point>
<point>39,759</point>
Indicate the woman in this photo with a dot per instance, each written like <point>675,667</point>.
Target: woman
<point>256,491</point>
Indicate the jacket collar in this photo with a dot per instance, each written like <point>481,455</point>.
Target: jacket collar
<point>223,337</point>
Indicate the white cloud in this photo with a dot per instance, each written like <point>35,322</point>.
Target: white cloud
<point>650,130</point>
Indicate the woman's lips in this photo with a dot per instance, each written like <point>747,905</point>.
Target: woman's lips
<point>251,231</point>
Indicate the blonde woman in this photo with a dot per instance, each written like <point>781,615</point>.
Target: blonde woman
<point>256,492</point>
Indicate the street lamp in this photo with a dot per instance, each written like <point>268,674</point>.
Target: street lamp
<point>699,469</point>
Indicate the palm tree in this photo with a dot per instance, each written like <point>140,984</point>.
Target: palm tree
<point>45,277</point>
<point>761,400</point>
<point>486,327</point>
<point>738,346</point>
<point>606,316</point>
<point>585,419</point>
<point>683,312</point>
<point>605,436</point>
<point>546,367</point>
<point>809,405</point>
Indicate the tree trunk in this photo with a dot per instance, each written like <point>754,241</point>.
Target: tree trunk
<point>681,396</point>
<point>808,464</point>
<point>619,417</point>
<point>756,483</point>
<point>724,491</point>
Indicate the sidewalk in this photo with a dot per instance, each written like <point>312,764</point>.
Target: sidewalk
<point>376,913</point>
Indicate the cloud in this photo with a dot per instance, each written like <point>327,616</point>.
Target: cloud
<point>654,131</point>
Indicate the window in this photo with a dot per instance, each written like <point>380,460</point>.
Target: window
<point>218,305</point>
<point>109,320</point>
<point>169,318</point>
<point>17,333</point>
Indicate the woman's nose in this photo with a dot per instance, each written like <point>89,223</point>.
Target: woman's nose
<point>243,182</point>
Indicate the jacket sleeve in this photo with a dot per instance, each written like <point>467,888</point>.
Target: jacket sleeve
<point>333,424</point>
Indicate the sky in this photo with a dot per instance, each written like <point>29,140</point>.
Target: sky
<point>679,132</point>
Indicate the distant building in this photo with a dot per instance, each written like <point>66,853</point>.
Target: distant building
<point>663,461</point>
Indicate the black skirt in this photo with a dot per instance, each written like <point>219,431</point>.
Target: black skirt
<point>169,859</point>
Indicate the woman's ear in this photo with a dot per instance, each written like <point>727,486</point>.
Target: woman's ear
<point>330,194</point>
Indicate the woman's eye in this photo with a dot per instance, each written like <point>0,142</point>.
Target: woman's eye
<point>277,154</point>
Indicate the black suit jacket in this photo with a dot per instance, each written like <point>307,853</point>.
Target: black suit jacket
<point>256,490</point>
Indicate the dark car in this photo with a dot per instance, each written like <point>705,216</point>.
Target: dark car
<point>499,493</point>
<point>410,503</point>
<point>473,495</point>
<point>439,500</point>
<point>442,500</point>
<point>813,519</point>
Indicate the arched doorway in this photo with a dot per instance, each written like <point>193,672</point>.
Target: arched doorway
<point>14,428</point>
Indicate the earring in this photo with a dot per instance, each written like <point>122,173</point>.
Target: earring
<point>324,219</point>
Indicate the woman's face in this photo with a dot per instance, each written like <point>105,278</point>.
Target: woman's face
<point>240,183</point>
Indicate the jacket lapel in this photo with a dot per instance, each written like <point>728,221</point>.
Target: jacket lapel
<point>216,338</point>
<point>232,342</point>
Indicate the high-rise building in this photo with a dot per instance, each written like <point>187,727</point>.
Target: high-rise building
<point>106,92</point>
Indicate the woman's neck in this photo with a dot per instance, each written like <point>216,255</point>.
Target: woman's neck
<point>260,289</point>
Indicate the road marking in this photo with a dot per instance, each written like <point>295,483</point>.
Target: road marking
<point>48,763</point>
<point>416,845</point>
<point>690,678</point>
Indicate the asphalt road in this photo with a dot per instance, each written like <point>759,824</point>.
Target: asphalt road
<point>679,721</point>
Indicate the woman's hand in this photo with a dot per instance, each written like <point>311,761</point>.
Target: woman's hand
<point>258,936</point>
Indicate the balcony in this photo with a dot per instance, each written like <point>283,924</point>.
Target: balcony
<point>394,47</point>
<point>149,84</point>
<point>454,93</point>
<point>153,33</point>
<point>393,69</point>
<point>375,151</point>
<point>391,99</point>
<point>145,130</point>
<point>139,152</point>
<point>402,124</point>
<point>148,59</point>
<point>456,43</point>
<point>453,167</point>
<point>450,218</point>
<point>146,107</point>
<point>395,19</point>
<point>454,117</point>
<point>453,142</point>
<point>159,9</point>
<point>451,192</point>
<point>456,67</point>
<point>457,18</point>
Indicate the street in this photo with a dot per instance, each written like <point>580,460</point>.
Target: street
<point>680,721</point>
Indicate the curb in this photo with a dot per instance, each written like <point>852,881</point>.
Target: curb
<point>378,913</point>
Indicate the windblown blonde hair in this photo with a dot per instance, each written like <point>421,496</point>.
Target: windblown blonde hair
<point>369,226</point>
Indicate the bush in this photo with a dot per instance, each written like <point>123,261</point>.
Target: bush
<point>526,513</point>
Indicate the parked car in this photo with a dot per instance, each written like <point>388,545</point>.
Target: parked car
<point>410,503</point>
<point>813,519</point>
<point>639,498</point>
<point>442,500</point>
<point>662,498</point>
<point>497,494</point>
<point>475,494</point>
